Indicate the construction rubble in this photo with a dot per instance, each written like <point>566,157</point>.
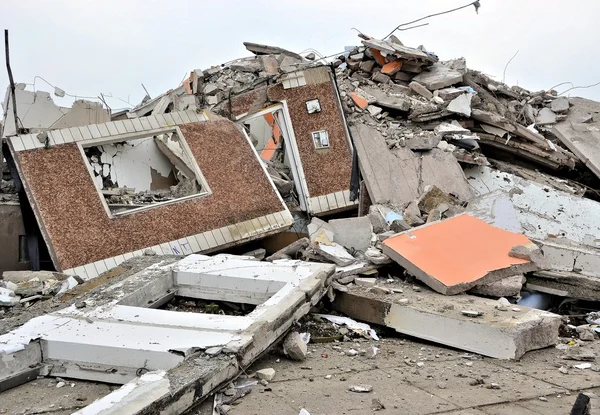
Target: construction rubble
<point>286,219</point>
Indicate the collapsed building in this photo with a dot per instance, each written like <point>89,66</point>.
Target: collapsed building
<point>414,192</point>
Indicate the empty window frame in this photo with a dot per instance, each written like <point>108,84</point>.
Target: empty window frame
<point>138,171</point>
<point>321,139</point>
<point>313,106</point>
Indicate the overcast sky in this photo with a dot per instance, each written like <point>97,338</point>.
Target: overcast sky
<point>112,46</point>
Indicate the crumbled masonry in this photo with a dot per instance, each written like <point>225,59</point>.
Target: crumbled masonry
<point>277,212</point>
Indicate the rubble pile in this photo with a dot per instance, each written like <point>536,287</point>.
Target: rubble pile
<point>470,232</point>
<point>8,192</point>
<point>421,103</point>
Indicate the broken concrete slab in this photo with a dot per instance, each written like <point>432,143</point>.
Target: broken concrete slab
<point>421,90</point>
<point>496,208</point>
<point>545,117</point>
<point>423,142</point>
<point>352,233</point>
<point>582,138</point>
<point>433,255</point>
<point>80,342</point>
<point>565,284</point>
<point>320,231</point>
<point>430,316</point>
<point>506,287</point>
<point>399,176</point>
<point>562,255</point>
<point>560,215</point>
<point>390,99</point>
<point>439,76</point>
<point>560,104</point>
<point>433,197</point>
<point>335,253</point>
<point>259,49</point>
<point>290,251</point>
<point>294,347</point>
<point>461,105</point>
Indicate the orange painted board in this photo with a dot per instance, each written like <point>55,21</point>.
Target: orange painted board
<point>378,57</point>
<point>359,101</point>
<point>457,252</point>
<point>391,68</point>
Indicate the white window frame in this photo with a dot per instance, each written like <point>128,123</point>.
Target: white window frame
<point>317,137</point>
<point>137,135</point>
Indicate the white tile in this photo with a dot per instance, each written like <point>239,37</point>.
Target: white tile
<point>110,263</point>
<point>55,137</point>
<point>120,127</point>
<point>85,132</point>
<point>218,237</point>
<point>128,255</point>
<point>119,259</point>
<point>137,124</point>
<point>176,248</point>
<point>91,271</point>
<point>210,239</point>
<point>80,271</point>
<point>145,123</point>
<point>76,133</point>
<point>128,126</point>
<point>112,128</point>
<point>100,267</point>
<point>186,248</point>
<point>138,253</point>
<point>332,202</point>
<point>280,219</point>
<point>235,232</point>
<point>265,223</point>
<point>28,141</point>
<point>153,122</point>
<point>202,241</point>
<point>287,217</point>
<point>169,119</point>
<point>161,120</point>
<point>95,131</point>
<point>67,136</point>
<point>165,249</point>
<point>193,243</point>
<point>193,116</point>
<point>227,234</point>
<point>272,220</point>
<point>103,130</point>
<point>301,80</point>
<point>242,230</point>
<point>184,117</point>
<point>258,226</point>
<point>17,143</point>
<point>176,117</point>
<point>286,84</point>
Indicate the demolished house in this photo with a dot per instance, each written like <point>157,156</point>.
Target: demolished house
<point>418,195</point>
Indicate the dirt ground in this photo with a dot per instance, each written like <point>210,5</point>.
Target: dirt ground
<point>409,377</point>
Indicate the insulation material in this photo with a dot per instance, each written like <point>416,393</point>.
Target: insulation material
<point>456,254</point>
<point>79,230</point>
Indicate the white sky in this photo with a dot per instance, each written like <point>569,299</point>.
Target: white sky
<point>111,46</point>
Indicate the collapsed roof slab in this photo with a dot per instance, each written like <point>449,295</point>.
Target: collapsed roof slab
<point>240,202</point>
<point>119,339</point>
<point>457,254</point>
<point>499,331</point>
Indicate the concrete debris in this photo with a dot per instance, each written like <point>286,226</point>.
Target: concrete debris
<point>462,183</point>
<point>294,347</point>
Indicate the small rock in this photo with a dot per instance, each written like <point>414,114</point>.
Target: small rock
<point>294,347</point>
<point>543,399</point>
<point>376,405</point>
<point>351,353</point>
<point>60,384</point>
<point>263,382</point>
<point>266,374</point>
<point>149,252</point>
<point>563,370</point>
<point>471,313</point>
<point>365,282</point>
<point>494,386</point>
<point>328,377</point>
<point>442,385</point>
<point>361,388</point>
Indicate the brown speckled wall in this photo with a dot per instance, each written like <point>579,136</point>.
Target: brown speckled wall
<point>326,170</point>
<point>80,229</point>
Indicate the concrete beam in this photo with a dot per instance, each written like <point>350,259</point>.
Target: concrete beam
<point>430,316</point>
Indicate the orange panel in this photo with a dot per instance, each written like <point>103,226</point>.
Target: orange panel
<point>378,57</point>
<point>271,145</point>
<point>359,101</point>
<point>459,250</point>
<point>391,68</point>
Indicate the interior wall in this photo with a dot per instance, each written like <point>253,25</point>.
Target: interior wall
<point>11,227</point>
<point>80,230</point>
